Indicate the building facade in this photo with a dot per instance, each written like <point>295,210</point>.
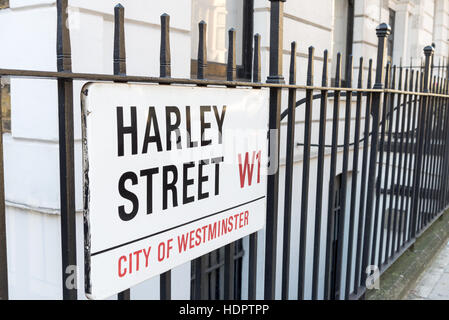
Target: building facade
<point>29,106</point>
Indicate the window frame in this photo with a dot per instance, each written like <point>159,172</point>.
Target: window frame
<point>216,70</point>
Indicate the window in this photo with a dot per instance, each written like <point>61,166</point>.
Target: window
<point>343,34</point>
<point>214,274</point>
<point>390,45</point>
<point>220,16</point>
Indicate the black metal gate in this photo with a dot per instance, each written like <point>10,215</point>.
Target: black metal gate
<point>397,151</point>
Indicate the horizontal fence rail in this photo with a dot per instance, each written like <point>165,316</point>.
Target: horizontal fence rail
<point>371,178</point>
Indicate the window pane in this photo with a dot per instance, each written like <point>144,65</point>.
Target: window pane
<point>220,16</point>
<point>340,35</point>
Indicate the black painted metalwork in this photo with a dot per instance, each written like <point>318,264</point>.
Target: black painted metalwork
<point>275,77</point>
<point>252,264</point>
<point>120,69</point>
<point>165,72</point>
<point>305,176</point>
<point>289,175</point>
<point>4,293</point>
<point>382,32</point>
<point>66,153</point>
<point>332,174</point>
<point>320,178</point>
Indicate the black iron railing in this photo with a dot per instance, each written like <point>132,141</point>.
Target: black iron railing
<point>394,161</point>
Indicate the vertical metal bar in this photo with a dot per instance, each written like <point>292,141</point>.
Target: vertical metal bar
<point>441,152</point>
<point>66,152</point>
<point>320,178</point>
<point>439,147</point>
<point>433,141</point>
<point>344,177</point>
<point>401,171</point>
<point>230,248</point>
<point>382,31</point>
<point>426,160</point>
<point>445,149</point>
<point>436,137</point>
<point>275,76</point>
<point>407,150</point>
<point>119,40</point>
<point>355,167</point>
<point>252,268</point>
<point>199,264</point>
<point>200,289</point>
<point>413,152</point>
<point>247,34</point>
<point>395,126</point>
<point>289,174</point>
<point>3,248</point>
<point>202,51</point>
<point>120,69</point>
<point>305,176</point>
<point>388,97</point>
<point>428,51</point>
<point>362,201</point>
<point>257,60</point>
<point>229,271</point>
<point>387,117</point>
<point>165,57</point>
<point>436,146</point>
<point>332,174</point>
<point>165,72</point>
<point>231,69</point>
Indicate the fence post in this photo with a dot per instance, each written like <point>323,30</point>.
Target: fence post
<point>66,153</point>
<point>275,76</point>
<point>252,265</point>
<point>200,289</point>
<point>120,70</point>
<point>428,52</point>
<point>305,177</point>
<point>230,248</point>
<point>289,175</point>
<point>165,72</point>
<point>3,249</point>
<point>382,31</point>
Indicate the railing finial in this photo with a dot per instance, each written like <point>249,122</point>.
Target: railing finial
<point>231,66</point>
<point>310,65</point>
<point>63,51</point>
<point>202,51</point>
<point>292,73</point>
<point>428,52</point>
<point>165,59</point>
<point>324,79</point>
<point>382,32</point>
<point>256,63</point>
<point>119,40</point>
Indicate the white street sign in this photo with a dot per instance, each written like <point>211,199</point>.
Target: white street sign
<point>170,174</point>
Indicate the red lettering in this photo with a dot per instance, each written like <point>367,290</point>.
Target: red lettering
<point>182,242</point>
<point>147,255</point>
<point>212,231</point>
<point>191,239</point>
<point>247,169</point>
<point>198,236</point>
<point>137,259</point>
<point>120,273</point>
